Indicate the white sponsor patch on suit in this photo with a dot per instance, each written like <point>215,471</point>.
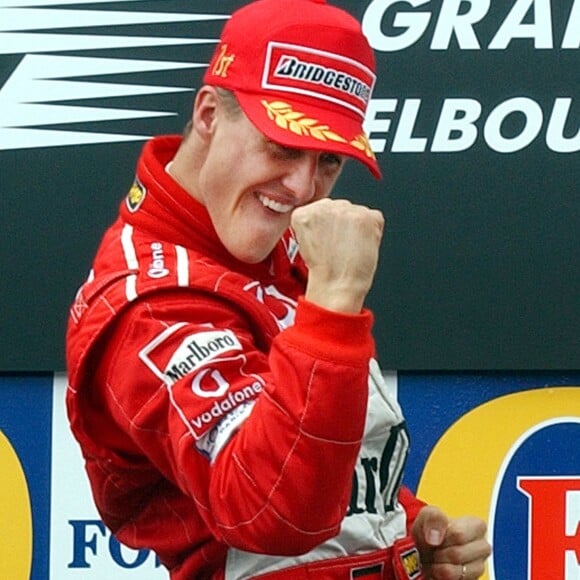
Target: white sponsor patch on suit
<point>173,355</point>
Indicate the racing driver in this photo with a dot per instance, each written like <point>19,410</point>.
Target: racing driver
<point>222,380</point>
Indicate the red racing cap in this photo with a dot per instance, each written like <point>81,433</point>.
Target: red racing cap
<point>303,73</point>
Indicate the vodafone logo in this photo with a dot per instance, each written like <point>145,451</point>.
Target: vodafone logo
<point>282,308</point>
<point>209,383</point>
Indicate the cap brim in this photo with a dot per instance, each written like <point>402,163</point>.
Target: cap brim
<point>305,126</point>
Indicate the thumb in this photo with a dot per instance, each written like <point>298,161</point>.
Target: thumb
<point>430,527</point>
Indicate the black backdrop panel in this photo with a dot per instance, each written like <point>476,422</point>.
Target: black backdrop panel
<point>475,121</point>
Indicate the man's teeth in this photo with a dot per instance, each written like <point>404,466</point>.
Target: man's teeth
<point>275,205</point>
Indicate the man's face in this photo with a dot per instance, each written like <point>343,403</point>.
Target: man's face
<point>250,185</point>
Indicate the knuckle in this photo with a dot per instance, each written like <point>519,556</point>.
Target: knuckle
<point>461,536</point>
<point>454,553</point>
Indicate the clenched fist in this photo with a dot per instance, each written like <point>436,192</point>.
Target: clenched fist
<point>339,242</point>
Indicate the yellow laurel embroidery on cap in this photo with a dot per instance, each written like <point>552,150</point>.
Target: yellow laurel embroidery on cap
<point>361,143</point>
<point>223,62</point>
<point>286,118</point>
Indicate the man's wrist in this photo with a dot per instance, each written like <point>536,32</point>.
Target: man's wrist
<point>337,302</point>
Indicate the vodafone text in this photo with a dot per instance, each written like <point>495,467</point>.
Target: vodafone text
<point>457,20</point>
<point>224,406</point>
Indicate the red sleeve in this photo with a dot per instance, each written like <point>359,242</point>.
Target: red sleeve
<point>269,473</point>
<point>412,505</point>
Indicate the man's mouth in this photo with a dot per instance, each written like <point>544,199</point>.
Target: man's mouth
<point>275,205</point>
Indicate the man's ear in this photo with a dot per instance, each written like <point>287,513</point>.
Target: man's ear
<point>205,111</point>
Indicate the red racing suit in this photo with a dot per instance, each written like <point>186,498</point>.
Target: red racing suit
<point>226,423</point>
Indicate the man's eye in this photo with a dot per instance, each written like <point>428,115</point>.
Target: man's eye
<point>281,151</point>
<point>331,159</point>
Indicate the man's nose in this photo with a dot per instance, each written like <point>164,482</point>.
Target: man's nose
<point>301,177</point>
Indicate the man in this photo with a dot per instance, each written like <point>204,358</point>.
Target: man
<point>222,385</point>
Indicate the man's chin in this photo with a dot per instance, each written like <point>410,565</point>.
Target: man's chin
<point>251,255</point>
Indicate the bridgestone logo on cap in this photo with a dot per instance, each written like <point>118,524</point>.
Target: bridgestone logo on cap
<point>292,68</point>
<point>319,74</point>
